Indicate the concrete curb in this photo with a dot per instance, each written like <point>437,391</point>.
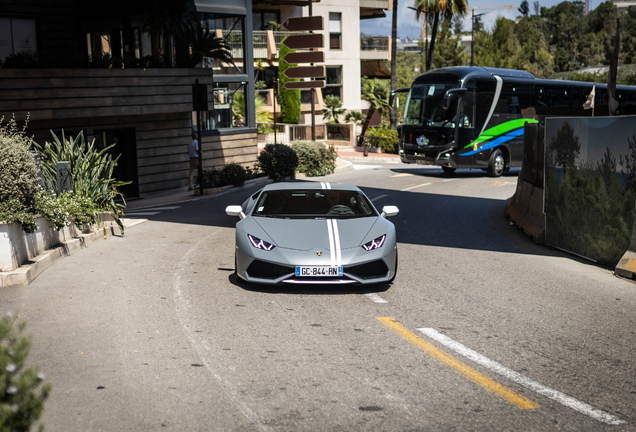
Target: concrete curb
<point>25,274</point>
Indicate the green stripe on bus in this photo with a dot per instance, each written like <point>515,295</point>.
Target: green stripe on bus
<point>501,129</point>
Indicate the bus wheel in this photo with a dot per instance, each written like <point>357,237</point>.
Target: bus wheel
<point>496,164</point>
<point>448,170</point>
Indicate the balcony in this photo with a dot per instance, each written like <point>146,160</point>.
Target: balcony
<point>266,43</point>
<point>375,48</point>
<point>376,4</point>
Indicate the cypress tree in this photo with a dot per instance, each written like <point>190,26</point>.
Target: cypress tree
<point>289,99</point>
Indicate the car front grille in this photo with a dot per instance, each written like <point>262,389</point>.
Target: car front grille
<point>370,270</point>
<point>264,270</point>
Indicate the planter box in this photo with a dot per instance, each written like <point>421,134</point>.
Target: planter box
<point>18,248</point>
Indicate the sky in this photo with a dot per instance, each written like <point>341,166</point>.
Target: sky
<point>408,27</point>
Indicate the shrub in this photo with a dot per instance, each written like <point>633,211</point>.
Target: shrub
<point>289,99</point>
<point>22,394</point>
<point>388,139</point>
<point>210,177</point>
<point>232,174</point>
<point>91,172</point>
<point>18,172</point>
<point>315,159</point>
<point>278,161</point>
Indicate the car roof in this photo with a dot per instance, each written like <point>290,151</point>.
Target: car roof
<point>310,185</point>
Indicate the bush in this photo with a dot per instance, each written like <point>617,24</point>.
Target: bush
<point>315,159</point>
<point>18,172</point>
<point>91,172</point>
<point>210,177</point>
<point>388,138</point>
<point>232,174</point>
<point>278,161</point>
<point>22,394</point>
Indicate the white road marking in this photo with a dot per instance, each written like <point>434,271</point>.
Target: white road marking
<point>416,186</point>
<point>379,196</point>
<point>362,167</point>
<point>375,298</point>
<point>447,180</point>
<point>129,214</point>
<point>162,208</point>
<point>555,395</point>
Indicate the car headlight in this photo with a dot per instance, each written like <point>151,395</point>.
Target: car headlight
<point>260,244</point>
<point>374,244</point>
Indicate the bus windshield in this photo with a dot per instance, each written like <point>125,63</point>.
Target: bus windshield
<point>425,106</point>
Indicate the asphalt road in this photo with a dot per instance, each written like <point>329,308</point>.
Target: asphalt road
<point>482,330</point>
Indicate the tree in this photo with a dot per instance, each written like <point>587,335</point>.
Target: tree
<point>437,9</point>
<point>564,29</point>
<point>238,108</point>
<point>498,50</point>
<point>333,108</point>
<point>393,115</point>
<point>534,55</point>
<point>566,147</point>
<point>23,395</point>
<point>355,117</point>
<point>204,43</point>
<point>536,7</point>
<point>289,99</point>
<point>163,18</point>
<point>376,92</point>
<point>448,52</point>
<point>524,8</point>
<point>590,49</point>
<point>259,67</point>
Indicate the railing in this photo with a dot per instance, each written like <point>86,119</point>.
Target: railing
<point>375,47</point>
<point>287,133</point>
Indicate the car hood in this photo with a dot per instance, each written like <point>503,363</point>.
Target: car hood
<point>307,234</point>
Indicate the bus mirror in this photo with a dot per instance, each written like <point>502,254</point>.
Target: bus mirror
<point>451,94</point>
<point>392,96</point>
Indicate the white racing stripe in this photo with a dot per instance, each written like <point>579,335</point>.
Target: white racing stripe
<point>336,237</point>
<point>328,185</point>
<point>322,185</point>
<point>555,395</point>
<point>331,243</point>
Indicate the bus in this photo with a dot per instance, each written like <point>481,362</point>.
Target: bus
<point>474,117</point>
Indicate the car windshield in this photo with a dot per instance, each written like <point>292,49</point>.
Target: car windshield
<point>311,204</point>
<point>425,106</point>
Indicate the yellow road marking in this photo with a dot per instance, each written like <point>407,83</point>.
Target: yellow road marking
<point>497,183</point>
<point>402,175</point>
<point>450,361</point>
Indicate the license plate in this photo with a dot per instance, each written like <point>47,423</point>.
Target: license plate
<point>318,271</point>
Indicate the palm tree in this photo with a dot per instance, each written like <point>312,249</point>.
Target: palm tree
<point>259,67</point>
<point>445,8</point>
<point>355,117</point>
<point>238,108</point>
<point>162,20</point>
<point>376,92</point>
<point>333,108</point>
<point>204,43</point>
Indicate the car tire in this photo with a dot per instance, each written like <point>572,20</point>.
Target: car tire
<point>396,267</point>
<point>496,164</point>
<point>448,170</point>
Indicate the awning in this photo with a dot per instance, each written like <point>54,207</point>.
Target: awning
<point>374,69</point>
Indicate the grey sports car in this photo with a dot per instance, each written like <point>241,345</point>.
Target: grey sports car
<point>314,233</point>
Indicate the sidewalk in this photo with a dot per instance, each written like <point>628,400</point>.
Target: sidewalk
<point>347,156</point>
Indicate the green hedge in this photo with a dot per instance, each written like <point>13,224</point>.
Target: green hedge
<point>389,143</point>
<point>289,99</point>
<point>315,159</point>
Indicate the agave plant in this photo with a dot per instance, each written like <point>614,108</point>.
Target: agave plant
<point>90,173</point>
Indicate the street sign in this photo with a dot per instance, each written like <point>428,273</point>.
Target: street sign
<point>305,57</point>
<point>304,41</point>
<point>305,72</point>
<point>311,23</point>
<point>291,85</point>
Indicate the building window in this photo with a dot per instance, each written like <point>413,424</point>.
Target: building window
<point>335,31</point>
<point>17,35</point>
<point>333,86</point>
<point>265,19</point>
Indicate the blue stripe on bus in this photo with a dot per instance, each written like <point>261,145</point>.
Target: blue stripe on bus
<point>494,143</point>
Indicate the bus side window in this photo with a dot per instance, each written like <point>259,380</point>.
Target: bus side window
<point>541,98</point>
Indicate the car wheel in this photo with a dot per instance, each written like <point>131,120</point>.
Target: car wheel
<point>448,170</point>
<point>396,266</point>
<point>496,164</point>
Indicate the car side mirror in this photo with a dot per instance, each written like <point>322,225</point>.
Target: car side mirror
<point>388,211</point>
<point>235,210</point>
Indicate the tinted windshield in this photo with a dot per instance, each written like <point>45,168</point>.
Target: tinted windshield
<point>309,204</point>
<point>425,106</point>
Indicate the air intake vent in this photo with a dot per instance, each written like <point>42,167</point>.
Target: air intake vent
<point>370,270</point>
<point>264,270</point>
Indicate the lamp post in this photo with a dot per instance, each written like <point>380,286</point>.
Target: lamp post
<point>472,37</point>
